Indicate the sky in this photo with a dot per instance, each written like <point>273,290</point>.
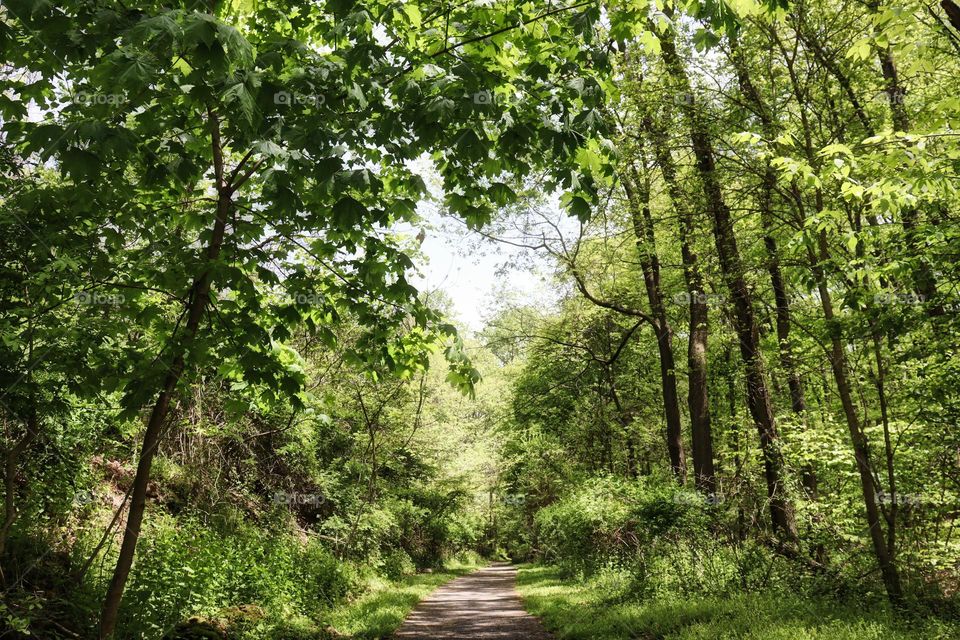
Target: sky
<point>479,276</point>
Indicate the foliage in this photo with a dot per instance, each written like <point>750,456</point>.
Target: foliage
<point>597,608</point>
<point>189,570</point>
<point>211,335</point>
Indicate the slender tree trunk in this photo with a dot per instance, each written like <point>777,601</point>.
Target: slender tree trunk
<point>200,295</point>
<point>924,280</point>
<point>731,265</point>
<point>631,454</point>
<point>838,359</point>
<point>887,446</point>
<point>698,401</point>
<point>624,419</point>
<point>11,462</point>
<point>838,363</point>
<point>737,455</point>
<point>14,456</point>
<point>777,281</point>
<point>828,62</point>
<point>638,199</point>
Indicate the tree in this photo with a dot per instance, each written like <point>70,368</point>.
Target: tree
<point>758,397</point>
<point>264,133</point>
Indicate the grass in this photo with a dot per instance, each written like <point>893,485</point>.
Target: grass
<point>379,611</point>
<point>574,609</point>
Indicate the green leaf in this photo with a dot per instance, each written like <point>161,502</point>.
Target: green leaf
<point>348,212</point>
<point>502,194</point>
<point>238,93</point>
<point>79,164</point>
<point>579,207</point>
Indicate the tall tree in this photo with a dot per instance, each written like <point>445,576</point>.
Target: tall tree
<point>269,131</point>
<point>774,261</point>
<point>637,190</point>
<point>731,264</point>
<point>698,402</point>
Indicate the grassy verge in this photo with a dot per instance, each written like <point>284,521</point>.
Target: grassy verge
<point>575,609</point>
<point>379,611</point>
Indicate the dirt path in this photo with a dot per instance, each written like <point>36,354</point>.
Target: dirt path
<point>482,605</point>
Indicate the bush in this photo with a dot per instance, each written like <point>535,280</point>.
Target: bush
<point>644,539</point>
<point>587,527</point>
<point>611,521</point>
<point>186,569</point>
<point>398,563</point>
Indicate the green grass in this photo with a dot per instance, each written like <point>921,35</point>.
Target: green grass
<point>585,609</point>
<point>379,611</point>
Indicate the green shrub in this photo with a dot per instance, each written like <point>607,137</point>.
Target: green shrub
<point>612,521</point>
<point>397,563</point>
<point>188,569</point>
<point>588,527</point>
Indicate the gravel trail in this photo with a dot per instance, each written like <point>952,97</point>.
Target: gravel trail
<point>483,605</point>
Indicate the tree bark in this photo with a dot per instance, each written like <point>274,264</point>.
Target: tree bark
<point>698,401</point>
<point>827,61</point>
<point>11,462</point>
<point>924,280</point>
<point>777,280</point>
<point>838,363</point>
<point>200,295</point>
<point>731,265</point>
<point>13,457</point>
<point>624,419</point>
<point>638,199</point>
<point>838,359</point>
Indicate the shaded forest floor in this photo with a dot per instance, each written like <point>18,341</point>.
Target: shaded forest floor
<point>383,608</point>
<point>603,609</point>
<point>483,606</point>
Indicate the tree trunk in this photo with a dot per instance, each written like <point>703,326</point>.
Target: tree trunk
<point>731,266</point>
<point>624,419</point>
<point>777,281</point>
<point>838,363</point>
<point>833,68</point>
<point>737,455</point>
<point>638,199</point>
<point>11,462</point>
<point>838,359</point>
<point>880,382</point>
<point>198,302</point>
<point>698,401</point>
<point>924,280</point>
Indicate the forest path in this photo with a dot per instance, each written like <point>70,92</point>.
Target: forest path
<point>483,605</point>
